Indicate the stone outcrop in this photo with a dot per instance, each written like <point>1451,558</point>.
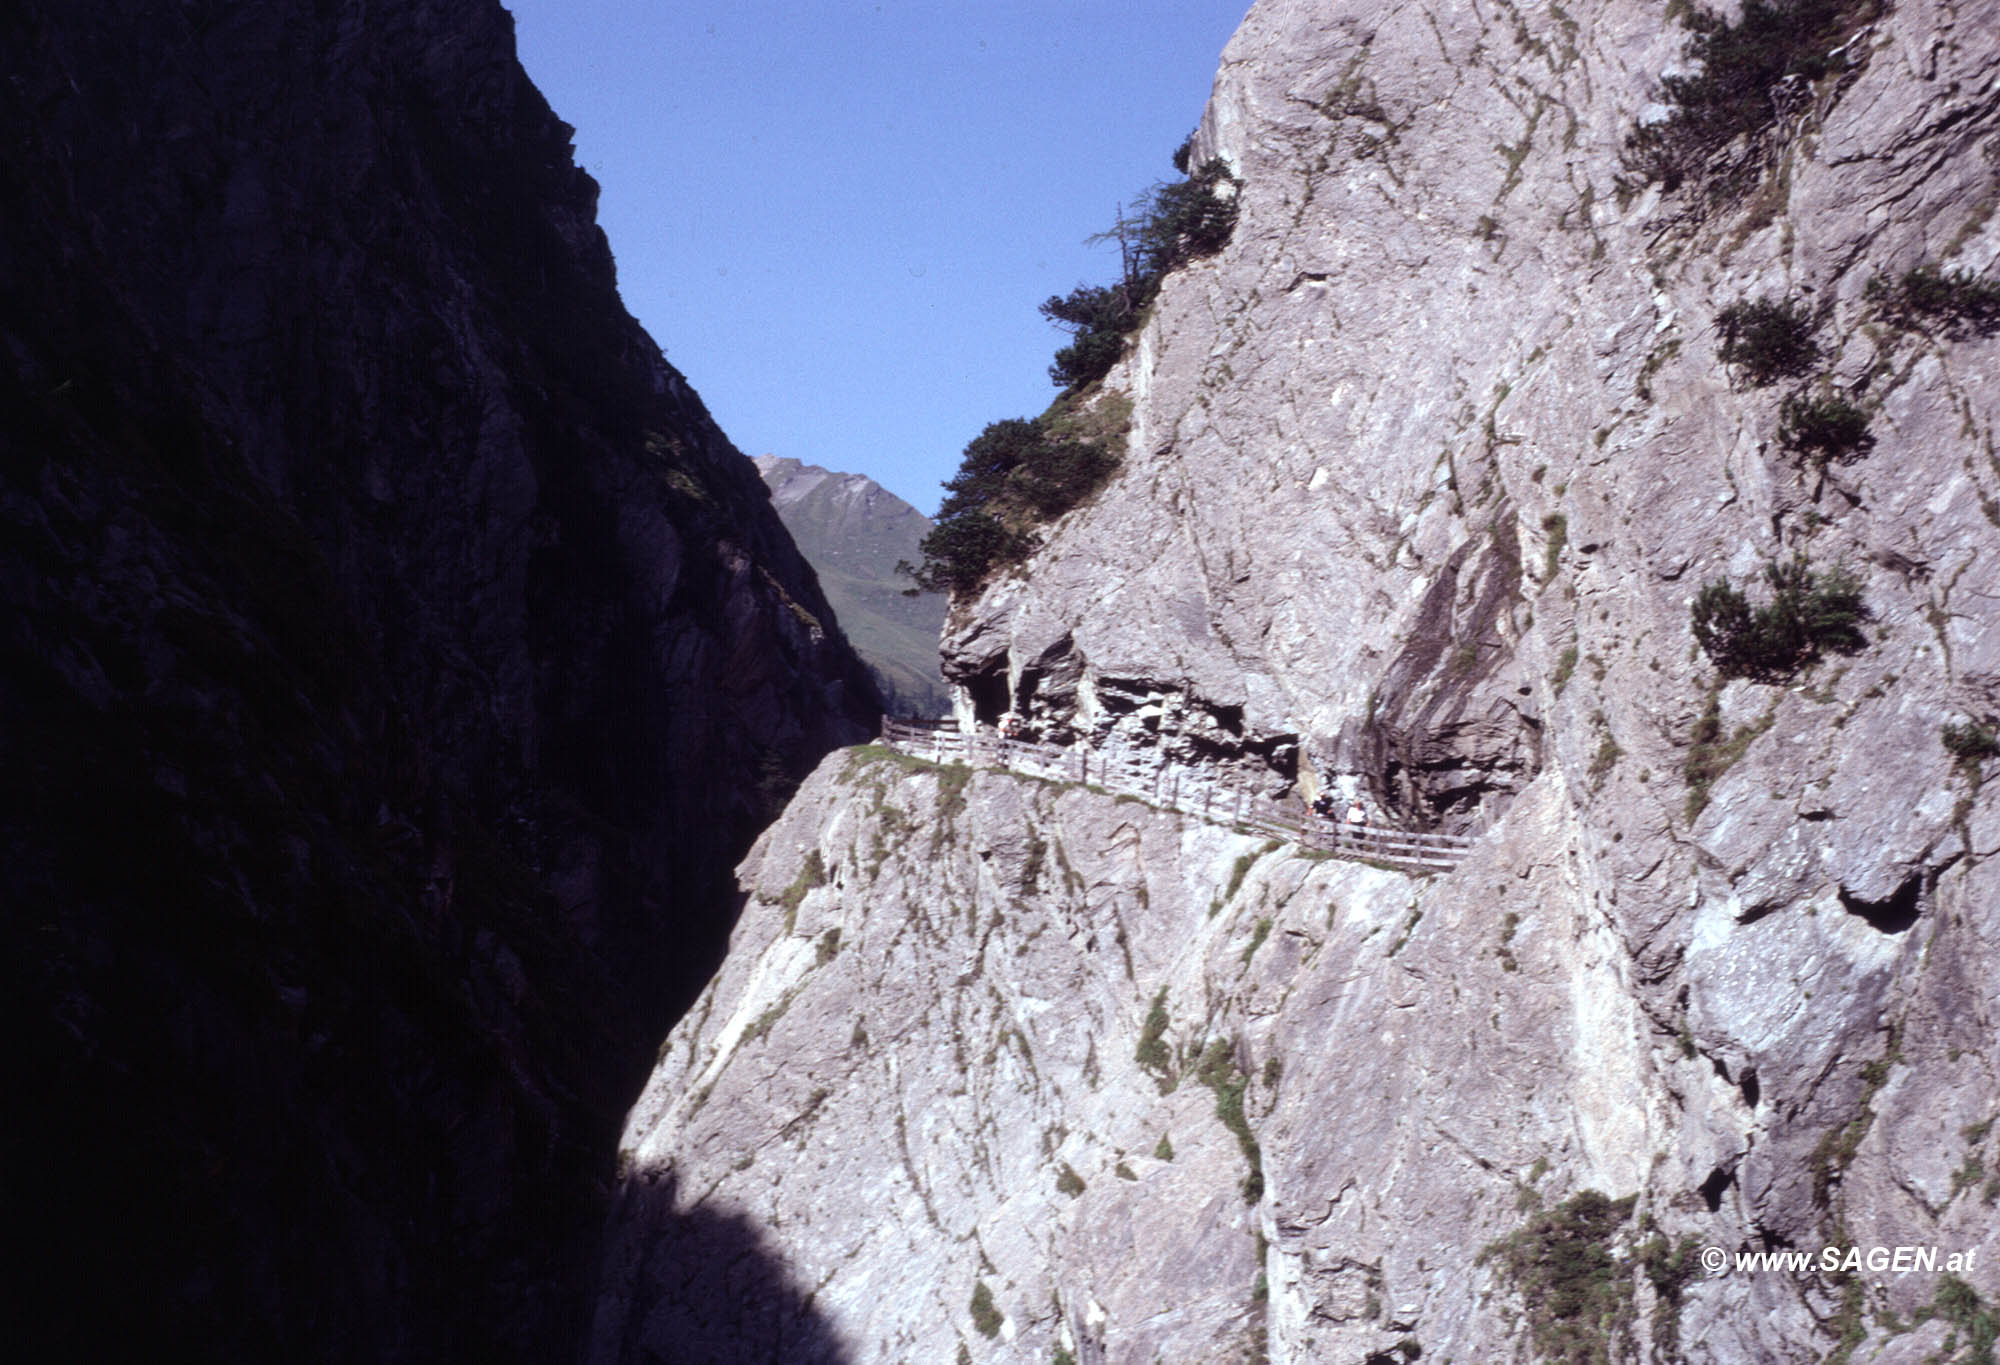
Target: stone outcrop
<point>957,1086</point>
<point>397,659</point>
<point>854,532</point>
<point>1425,470</point>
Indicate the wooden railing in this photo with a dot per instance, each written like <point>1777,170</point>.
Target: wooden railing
<point>1147,775</point>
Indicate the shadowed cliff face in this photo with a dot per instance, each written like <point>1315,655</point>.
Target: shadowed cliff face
<point>394,658</point>
<point>711,1287</point>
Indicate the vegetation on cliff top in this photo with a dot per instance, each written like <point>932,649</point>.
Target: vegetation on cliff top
<point>1016,474</point>
<point>1021,473</point>
<point>1172,223</point>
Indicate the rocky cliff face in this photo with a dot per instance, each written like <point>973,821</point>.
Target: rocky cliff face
<point>1426,470</point>
<point>396,660</point>
<point>854,532</point>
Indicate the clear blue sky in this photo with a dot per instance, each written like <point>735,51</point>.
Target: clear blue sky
<point>837,218</point>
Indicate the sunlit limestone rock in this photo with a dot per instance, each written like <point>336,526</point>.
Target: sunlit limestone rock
<point>1424,472</point>
<point>935,1059</point>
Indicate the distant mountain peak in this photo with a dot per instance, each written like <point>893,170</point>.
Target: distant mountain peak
<point>854,532</point>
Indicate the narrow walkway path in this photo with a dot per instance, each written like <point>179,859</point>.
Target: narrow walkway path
<point>1196,793</point>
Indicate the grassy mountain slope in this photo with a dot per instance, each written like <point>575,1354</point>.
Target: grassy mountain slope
<point>854,532</point>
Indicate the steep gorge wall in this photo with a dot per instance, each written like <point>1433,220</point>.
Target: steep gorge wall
<point>397,658</point>
<point>1425,469</point>
<point>921,1071</point>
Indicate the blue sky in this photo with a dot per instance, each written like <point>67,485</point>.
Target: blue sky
<point>838,218</point>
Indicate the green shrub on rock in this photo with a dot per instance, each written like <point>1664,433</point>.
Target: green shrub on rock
<point>1152,1053</point>
<point>1172,223</point>
<point>1219,1072</point>
<point>1014,475</point>
<point>1960,302</point>
<point>1809,615</point>
<point>1971,743</point>
<point>986,1315</point>
<point>1742,75</point>
<point>1575,1288</point>
<point>1767,340</point>
<point>1823,430</point>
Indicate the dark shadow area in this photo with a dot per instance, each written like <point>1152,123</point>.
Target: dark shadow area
<point>988,690</point>
<point>700,1286</point>
<point>1750,914</point>
<point>204,1175</point>
<point>1447,750</point>
<point>1895,913</point>
<point>1715,1186</point>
